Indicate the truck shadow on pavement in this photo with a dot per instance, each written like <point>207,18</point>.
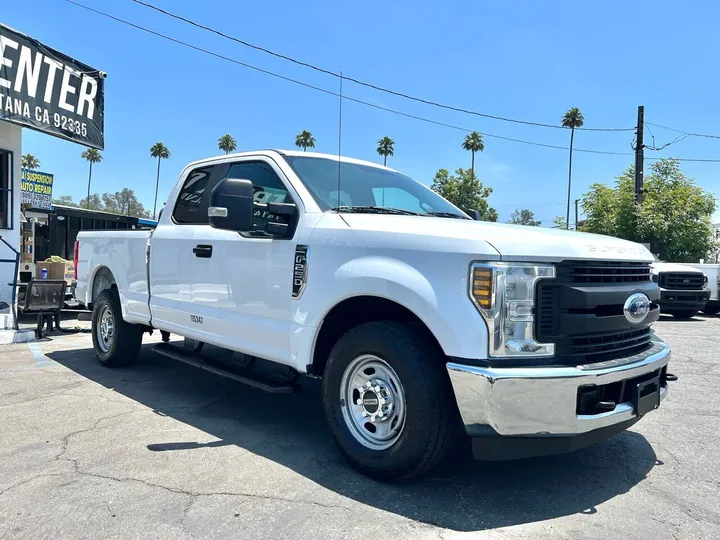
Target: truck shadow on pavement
<point>290,430</point>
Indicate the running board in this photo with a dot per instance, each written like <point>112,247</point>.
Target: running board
<point>256,380</point>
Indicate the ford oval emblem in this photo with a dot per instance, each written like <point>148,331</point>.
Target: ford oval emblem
<point>636,308</point>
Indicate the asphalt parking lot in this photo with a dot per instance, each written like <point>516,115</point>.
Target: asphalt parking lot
<point>163,450</point>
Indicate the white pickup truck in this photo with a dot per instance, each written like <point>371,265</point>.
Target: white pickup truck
<point>684,289</point>
<point>419,320</point>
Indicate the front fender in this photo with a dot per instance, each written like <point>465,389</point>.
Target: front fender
<point>436,294</point>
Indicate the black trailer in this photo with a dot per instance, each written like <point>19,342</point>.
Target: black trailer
<point>56,230</point>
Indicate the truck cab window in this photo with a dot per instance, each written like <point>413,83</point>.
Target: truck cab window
<point>268,188</point>
<point>191,206</point>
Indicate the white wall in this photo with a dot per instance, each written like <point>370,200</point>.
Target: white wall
<point>11,140</point>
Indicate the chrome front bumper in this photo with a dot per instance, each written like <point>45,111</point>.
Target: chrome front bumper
<point>542,401</point>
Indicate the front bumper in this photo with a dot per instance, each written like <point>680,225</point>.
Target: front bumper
<point>542,402</point>
<point>670,299</point>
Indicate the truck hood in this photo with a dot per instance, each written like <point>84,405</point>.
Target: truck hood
<point>658,267</point>
<point>512,242</point>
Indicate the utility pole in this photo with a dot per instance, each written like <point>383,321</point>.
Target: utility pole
<point>576,214</point>
<point>639,155</point>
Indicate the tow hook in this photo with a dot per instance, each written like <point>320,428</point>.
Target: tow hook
<point>669,377</point>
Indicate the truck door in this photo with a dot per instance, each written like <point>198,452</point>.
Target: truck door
<point>172,260</point>
<point>242,282</point>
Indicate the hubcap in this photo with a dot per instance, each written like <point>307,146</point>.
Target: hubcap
<point>373,402</point>
<point>105,329</point>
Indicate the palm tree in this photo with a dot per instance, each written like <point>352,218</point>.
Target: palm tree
<point>386,147</point>
<point>159,151</point>
<point>29,161</point>
<point>473,143</point>
<point>572,119</point>
<point>93,156</point>
<point>305,140</point>
<point>227,144</point>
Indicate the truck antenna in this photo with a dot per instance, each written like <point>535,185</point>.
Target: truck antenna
<point>339,142</point>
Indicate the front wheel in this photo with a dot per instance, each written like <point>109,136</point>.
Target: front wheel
<point>684,313</point>
<point>388,401</point>
<point>711,310</point>
<point>116,342</point>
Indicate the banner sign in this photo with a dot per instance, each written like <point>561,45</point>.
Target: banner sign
<point>45,90</point>
<point>36,189</point>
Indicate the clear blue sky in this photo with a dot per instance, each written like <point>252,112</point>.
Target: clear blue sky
<point>526,60</point>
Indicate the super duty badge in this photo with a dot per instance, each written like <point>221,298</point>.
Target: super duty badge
<point>299,271</point>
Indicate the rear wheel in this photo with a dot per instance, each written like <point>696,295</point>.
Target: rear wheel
<point>684,313</point>
<point>116,342</point>
<point>388,401</point>
<point>711,310</point>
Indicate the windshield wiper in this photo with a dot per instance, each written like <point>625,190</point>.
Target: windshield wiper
<point>446,214</point>
<point>374,210</point>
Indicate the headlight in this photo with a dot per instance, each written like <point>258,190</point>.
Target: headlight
<point>504,293</point>
<point>705,280</point>
<point>655,278</point>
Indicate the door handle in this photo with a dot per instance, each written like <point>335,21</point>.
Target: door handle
<point>203,251</point>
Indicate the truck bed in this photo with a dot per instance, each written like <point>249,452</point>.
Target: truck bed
<point>123,254</point>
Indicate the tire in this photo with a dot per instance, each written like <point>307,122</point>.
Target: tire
<point>124,340</point>
<point>711,310</point>
<point>684,313</point>
<point>430,423</point>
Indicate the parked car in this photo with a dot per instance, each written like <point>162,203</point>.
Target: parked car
<point>712,274</point>
<point>419,320</point>
<point>683,289</point>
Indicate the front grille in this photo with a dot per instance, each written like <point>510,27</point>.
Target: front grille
<point>603,272</point>
<point>581,311</point>
<point>604,347</point>
<point>689,281</point>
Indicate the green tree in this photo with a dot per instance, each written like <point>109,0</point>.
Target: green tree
<point>65,200</point>
<point>674,217</point>
<point>524,217</point>
<point>159,151</point>
<point>386,147</point>
<point>465,191</point>
<point>29,161</point>
<point>92,202</point>
<point>227,144</point>
<point>124,202</point>
<point>473,143</point>
<point>305,140</point>
<point>559,223</point>
<point>573,119</point>
<point>92,155</point>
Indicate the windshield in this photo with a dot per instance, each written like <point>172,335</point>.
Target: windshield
<point>367,188</point>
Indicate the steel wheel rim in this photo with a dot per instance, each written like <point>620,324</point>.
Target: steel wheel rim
<point>373,402</point>
<point>105,330</point>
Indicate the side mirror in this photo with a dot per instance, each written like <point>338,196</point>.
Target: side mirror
<point>231,205</point>
<point>475,214</point>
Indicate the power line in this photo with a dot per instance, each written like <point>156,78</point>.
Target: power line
<point>329,92</point>
<point>356,81</point>
<point>356,100</point>
<point>688,133</point>
<point>658,148</point>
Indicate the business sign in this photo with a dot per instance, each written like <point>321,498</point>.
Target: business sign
<point>36,189</point>
<point>45,90</point>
